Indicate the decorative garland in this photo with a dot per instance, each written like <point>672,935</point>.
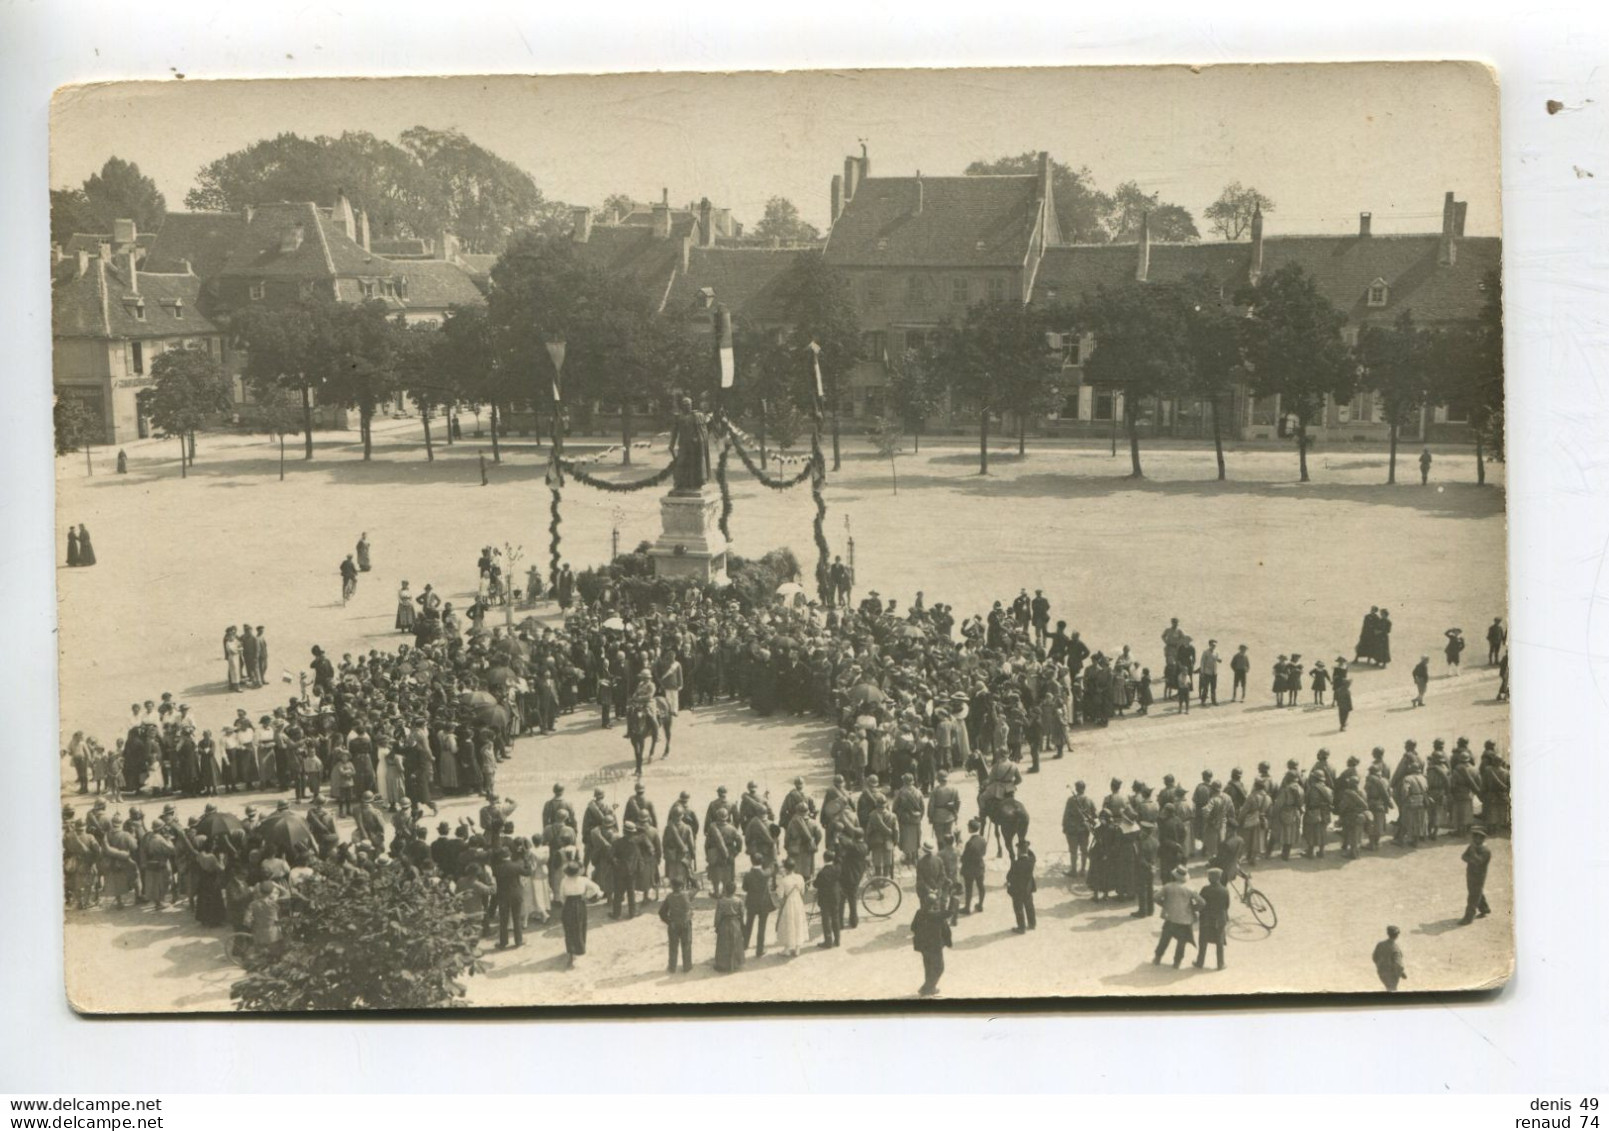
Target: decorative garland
<point>818,480</point>
<point>775,484</point>
<point>653,480</point>
<point>553,531</point>
<point>726,491</point>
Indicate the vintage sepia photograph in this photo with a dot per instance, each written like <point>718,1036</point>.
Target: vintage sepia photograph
<point>668,539</point>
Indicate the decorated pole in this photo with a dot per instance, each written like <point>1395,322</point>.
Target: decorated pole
<point>555,476</point>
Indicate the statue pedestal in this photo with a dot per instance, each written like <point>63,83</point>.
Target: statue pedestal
<point>690,542</point>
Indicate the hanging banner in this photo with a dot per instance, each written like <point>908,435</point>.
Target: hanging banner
<point>815,361</point>
<point>723,346</point>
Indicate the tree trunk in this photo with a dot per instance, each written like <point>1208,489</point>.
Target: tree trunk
<point>762,434</point>
<point>894,472</point>
<point>192,443</point>
<point>916,441</point>
<point>1022,433</point>
<point>448,417</point>
<point>365,419</point>
<point>836,460</point>
<point>1480,458</point>
<point>625,433</point>
<point>1391,466</point>
<point>307,421</point>
<point>1218,437</point>
<point>497,453</point>
<point>1131,414</point>
<point>1301,444</point>
<point>430,448</point>
<point>983,444</point>
<point>282,457</point>
<point>183,462</point>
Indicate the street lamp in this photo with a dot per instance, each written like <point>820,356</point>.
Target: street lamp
<point>555,347</point>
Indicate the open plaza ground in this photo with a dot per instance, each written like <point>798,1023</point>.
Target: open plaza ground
<point>1260,560</point>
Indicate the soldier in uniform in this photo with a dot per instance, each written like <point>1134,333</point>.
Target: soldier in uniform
<point>1316,820</point>
<point>1078,825</point>
<point>722,843</point>
<point>944,808</point>
<point>1288,806</point>
<point>1254,821</point>
<point>1377,791</point>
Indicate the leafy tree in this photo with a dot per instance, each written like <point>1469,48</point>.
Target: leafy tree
<point>997,361</point>
<point>419,359</point>
<point>1391,361</point>
<point>277,414</point>
<point>822,310</point>
<point>1230,215</point>
<point>187,388</point>
<point>884,435</point>
<point>364,374</point>
<point>468,357</point>
<point>1292,345</point>
<point>1081,208</point>
<point>1486,386</point>
<point>121,192</point>
<point>1213,344</point>
<point>433,179</point>
<point>782,222</point>
<point>69,214</point>
<point>1142,346</point>
<point>767,379</point>
<point>73,425</point>
<point>1130,204</point>
<point>292,348</point>
<point>917,396</point>
<point>364,939</point>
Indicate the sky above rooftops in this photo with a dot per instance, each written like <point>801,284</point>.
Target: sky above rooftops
<point>1324,141</point>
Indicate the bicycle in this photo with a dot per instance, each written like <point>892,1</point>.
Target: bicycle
<point>879,897</point>
<point>1261,907</point>
<point>1059,865</point>
<point>349,586</point>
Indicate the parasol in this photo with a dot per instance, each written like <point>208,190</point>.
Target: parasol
<point>286,831</point>
<point>499,676</point>
<point>615,623</point>
<point>217,826</point>
<point>911,632</point>
<point>866,722</point>
<point>863,693</point>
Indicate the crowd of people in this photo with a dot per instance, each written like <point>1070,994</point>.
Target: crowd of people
<point>916,696</point>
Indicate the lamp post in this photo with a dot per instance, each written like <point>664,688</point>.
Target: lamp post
<point>555,347</point>
<point>617,516</point>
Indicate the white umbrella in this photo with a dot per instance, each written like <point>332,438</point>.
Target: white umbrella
<point>615,623</point>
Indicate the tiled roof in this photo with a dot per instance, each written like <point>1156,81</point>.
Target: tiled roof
<point>750,282</point>
<point>323,252</point>
<point>204,238</point>
<point>1343,267</point>
<point>635,251</point>
<point>100,304</point>
<point>964,222</point>
<point>398,247</point>
<point>438,284</point>
<point>85,241</point>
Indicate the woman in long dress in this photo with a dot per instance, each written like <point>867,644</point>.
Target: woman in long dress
<point>393,779</point>
<point>404,609</point>
<point>793,929</point>
<point>538,900</point>
<point>86,550</point>
<point>574,891</point>
<point>231,656</point>
<point>729,944</point>
<point>72,546</point>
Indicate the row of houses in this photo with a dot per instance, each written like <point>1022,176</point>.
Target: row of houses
<point>915,252</point>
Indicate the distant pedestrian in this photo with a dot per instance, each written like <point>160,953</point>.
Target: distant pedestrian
<point>1496,637</point>
<point>1424,467</point>
<point>1388,960</point>
<point>363,552</point>
<point>72,547</point>
<point>86,548</point>
<point>1477,859</point>
<point>1421,680</point>
<point>1341,685</point>
<point>1214,916</point>
<point>1020,886</point>
<point>122,462</point>
<point>483,480</point>
<point>930,934</point>
<point>677,914</point>
<point>1455,649</point>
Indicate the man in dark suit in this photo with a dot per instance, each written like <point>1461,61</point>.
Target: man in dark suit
<point>1477,859</point>
<point>677,914</point>
<point>1020,885</point>
<point>1214,916</point>
<point>757,903</point>
<point>830,901</point>
<point>509,872</point>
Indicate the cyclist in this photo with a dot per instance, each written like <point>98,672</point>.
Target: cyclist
<point>349,579</point>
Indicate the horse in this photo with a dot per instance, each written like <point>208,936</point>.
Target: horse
<point>1009,818</point>
<point>642,725</point>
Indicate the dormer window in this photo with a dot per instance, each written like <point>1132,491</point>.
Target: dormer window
<point>139,310</point>
<point>178,309</point>
<point>256,292</point>
<point>368,287</point>
<point>1378,293</point>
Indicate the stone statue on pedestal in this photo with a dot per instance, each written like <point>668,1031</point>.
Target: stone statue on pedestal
<point>690,449</point>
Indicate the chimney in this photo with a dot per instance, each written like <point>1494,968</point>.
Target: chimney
<point>662,216</point>
<point>123,233</point>
<point>1458,218</point>
<point>1449,234</point>
<point>83,264</point>
<point>851,178</point>
<point>865,163</point>
<point>1255,271</point>
<point>1044,175</point>
<point>446,245</point>
<point>918,210</point>
<point>127,264</point>
<point>1142,269</point>
<point>362,220</point>
<point>56,255</point>
<point>248,212</point>
<point>836,208</point>
<point>687,251</point>
<point>581,224</point>
<point>104,250</point>
<point>1364,219</point>
<point>292,237</point>
<point>341,215</point>
<point>706,234</point>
